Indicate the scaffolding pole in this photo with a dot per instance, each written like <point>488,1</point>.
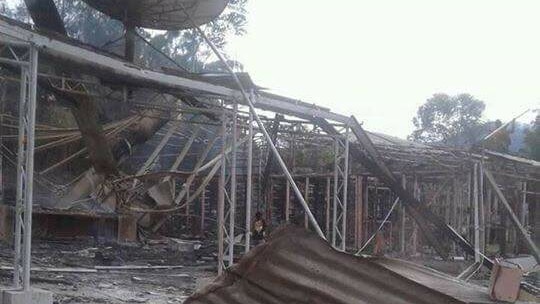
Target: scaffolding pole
<point>476,215</point>
<point>227,192</point>
<point>341,170</point>
<point>25,169</point>
<point>249,183</point>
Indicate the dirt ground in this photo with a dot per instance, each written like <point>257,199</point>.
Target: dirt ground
<point>164,285</point>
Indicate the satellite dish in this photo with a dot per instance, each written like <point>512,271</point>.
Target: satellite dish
<point>160,14</point>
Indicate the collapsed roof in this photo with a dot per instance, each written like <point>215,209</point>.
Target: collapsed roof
<point>296,266</point>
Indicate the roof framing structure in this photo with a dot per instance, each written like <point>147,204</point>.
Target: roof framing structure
<point>115,69</point>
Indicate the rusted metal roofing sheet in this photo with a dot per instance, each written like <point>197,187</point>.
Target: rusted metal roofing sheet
<point>296,266</point>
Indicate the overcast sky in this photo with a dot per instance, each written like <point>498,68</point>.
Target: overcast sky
<point>380,59</point>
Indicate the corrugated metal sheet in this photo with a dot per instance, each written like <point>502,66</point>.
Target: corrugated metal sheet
<point>296,266</point>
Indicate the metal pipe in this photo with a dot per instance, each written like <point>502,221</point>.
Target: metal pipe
<point>476,215</point>
<point>249,183</point>
<point>261,126</point>
<point>221,195</point>
<point>232,202</point>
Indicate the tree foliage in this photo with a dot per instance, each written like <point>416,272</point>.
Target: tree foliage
<point>185,47</point>
<point>449,120</point>
<point>532,140</point>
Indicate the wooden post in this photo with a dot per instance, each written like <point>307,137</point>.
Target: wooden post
<point>402,217</point>
<point>455,210</point>
<point>524,206</point>
<point>365,214</point>
<point>415,226</point>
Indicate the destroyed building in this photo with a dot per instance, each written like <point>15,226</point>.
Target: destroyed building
<point>129,154</point>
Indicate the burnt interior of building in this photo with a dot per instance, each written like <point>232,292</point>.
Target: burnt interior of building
<point>128,155</point>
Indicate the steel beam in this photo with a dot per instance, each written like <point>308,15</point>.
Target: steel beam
<point>227,191</point>
<point>25,171</point>
<point>341,177</point>
<point>110,68</point>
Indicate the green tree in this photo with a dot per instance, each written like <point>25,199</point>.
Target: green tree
<point>449,120</point>
<point>532,140</point>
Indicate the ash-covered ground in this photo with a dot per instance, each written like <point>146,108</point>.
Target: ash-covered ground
<point>68,269</point>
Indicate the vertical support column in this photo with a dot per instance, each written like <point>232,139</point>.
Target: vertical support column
<point>221,195</point>
<point>271,145</point>
<point>327,213</point>
<point>476,215</point>
<point>227,193</point>
<point>487,216</point>
<point>188,209</point>
<point>249,183</point>
<point>455,204</point>
<point>402,217</point>
<point>359,212</point>
<point>523,210</point>
<point>341,170</point>
<point>416,192</point>
<point>467,211</point>
<point>129,51</point>
<point>288,201</point>
<point>232,198</point>
<point>21,174</point>
<point>481,207</point>
<point>25,171</point>
<point>365,219</point>
<point>524,206</point>
<point>203,211</point>
<point>306,197</point>
<point>3,88</point>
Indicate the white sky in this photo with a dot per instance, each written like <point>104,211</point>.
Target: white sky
<point>381,59</point>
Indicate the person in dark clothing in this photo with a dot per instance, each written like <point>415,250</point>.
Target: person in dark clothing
<point>258,230</point>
